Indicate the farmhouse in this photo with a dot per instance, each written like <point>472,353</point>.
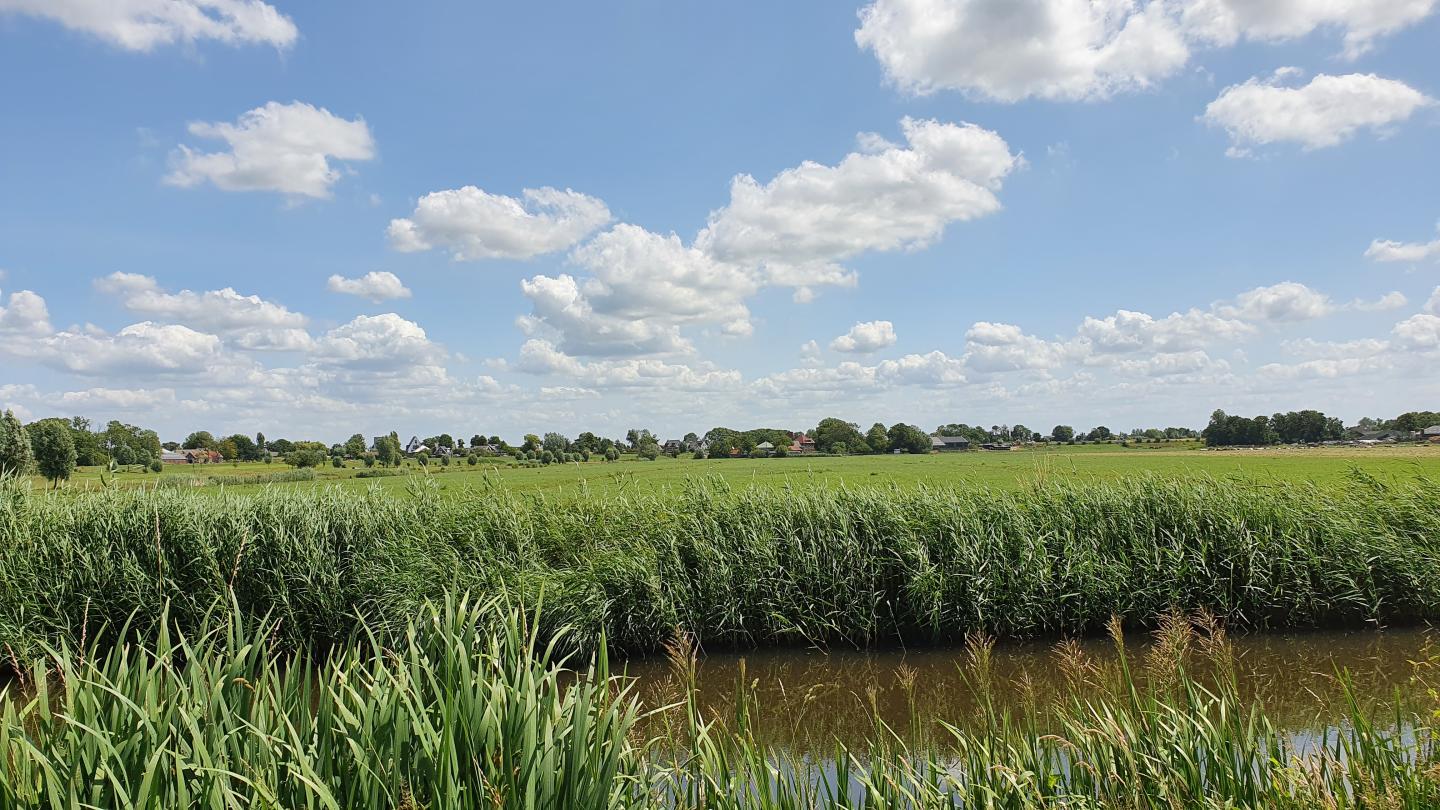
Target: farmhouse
<point>672,446</point>
<point>1432,432</point>
<point>766,447</point>
<point>1376,436</point>
<point>414,446</point>
<point>174,457</point>
<point>802,444</point>
<point>943,444</point>
<point>200,455</point>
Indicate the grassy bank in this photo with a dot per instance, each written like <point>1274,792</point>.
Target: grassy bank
<point>470,708</point>
<point>746,566</point>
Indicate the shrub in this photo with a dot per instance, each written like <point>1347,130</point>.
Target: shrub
<point>156,466</point>
<point>337,462</point>
<point>472,460</point>
<point>301,459</point>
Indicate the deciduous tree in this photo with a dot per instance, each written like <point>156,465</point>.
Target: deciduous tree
<point>16,454</point>
<point>54,449</point>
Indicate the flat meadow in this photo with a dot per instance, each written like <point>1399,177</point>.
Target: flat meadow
<point>450,637</point>
<point>996,470</point>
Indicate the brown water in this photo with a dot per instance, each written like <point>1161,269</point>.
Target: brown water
<point>809,699</point>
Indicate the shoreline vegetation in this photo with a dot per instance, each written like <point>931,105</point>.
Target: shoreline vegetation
<point>731,566</point>
<point>315,647</point>
<point>473,705</point>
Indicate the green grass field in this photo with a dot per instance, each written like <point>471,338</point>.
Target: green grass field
<point>995,470</point>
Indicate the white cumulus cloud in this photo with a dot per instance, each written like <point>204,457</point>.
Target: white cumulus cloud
<point>1385,303</point>
<point>1327,111</point>
<point>1223,22</point>
<point>377,342</point>
<point>865,337</point>
<point>1007,50</point>
<point>247,321</point>
<point>1080,50</point>
<point>26,314</point>
<point>887,197</point>
<point>142,25</point>
<point>1418,333</point>
<point>540,357</point>
<point>1286,301</point>
<point>474,224</point>
<point>375,286</point>
<point>1385,250</point>
<point>278,147</point>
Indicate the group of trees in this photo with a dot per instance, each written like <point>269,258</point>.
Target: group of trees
<point>996,433</point>
<point>832,435</point>
<point>46,446</point>
<point>235,447</point>
<point>1410,421</point>
<point>1294,427</point>
<point>54,447</point>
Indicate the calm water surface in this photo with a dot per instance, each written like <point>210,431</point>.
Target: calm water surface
<point>808,699</point>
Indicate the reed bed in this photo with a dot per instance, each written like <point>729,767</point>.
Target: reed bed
<point>473,707</point>
<point>808,565</point>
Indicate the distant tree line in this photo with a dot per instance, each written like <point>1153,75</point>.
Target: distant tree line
<point>1294,427</point>
<point>55,446</point>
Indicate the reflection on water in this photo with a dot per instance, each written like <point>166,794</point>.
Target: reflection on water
<point>808,699</point>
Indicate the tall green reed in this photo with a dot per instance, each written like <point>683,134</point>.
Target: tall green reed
<point>473,707</point>
<point>807,565</point>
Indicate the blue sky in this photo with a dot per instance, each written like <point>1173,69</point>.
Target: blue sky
<point>307,220</point>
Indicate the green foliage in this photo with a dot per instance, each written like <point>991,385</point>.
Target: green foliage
<point>245,448</point>
<point>16,455</point>
<point>285,477</point>
<point>387,450</point>
<point>555,442</point>
<point>472,704</point>
<point>837,436</point>
<point>472,460</point>
<point>199,440</point>
<point>908,438</point>
<point>90,447</point>
<point>877,438</point>
<point>749,566</point>
<point>1413,420</point>
<point>1306,427</point>
<point>54,449</point>
<point>337,462</point>
<point>305,457</point>
<point>156,465</point>
<point>467,705</point>
<point>648,450</point>
<point>1225,430</point>
<point>355,445</point>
